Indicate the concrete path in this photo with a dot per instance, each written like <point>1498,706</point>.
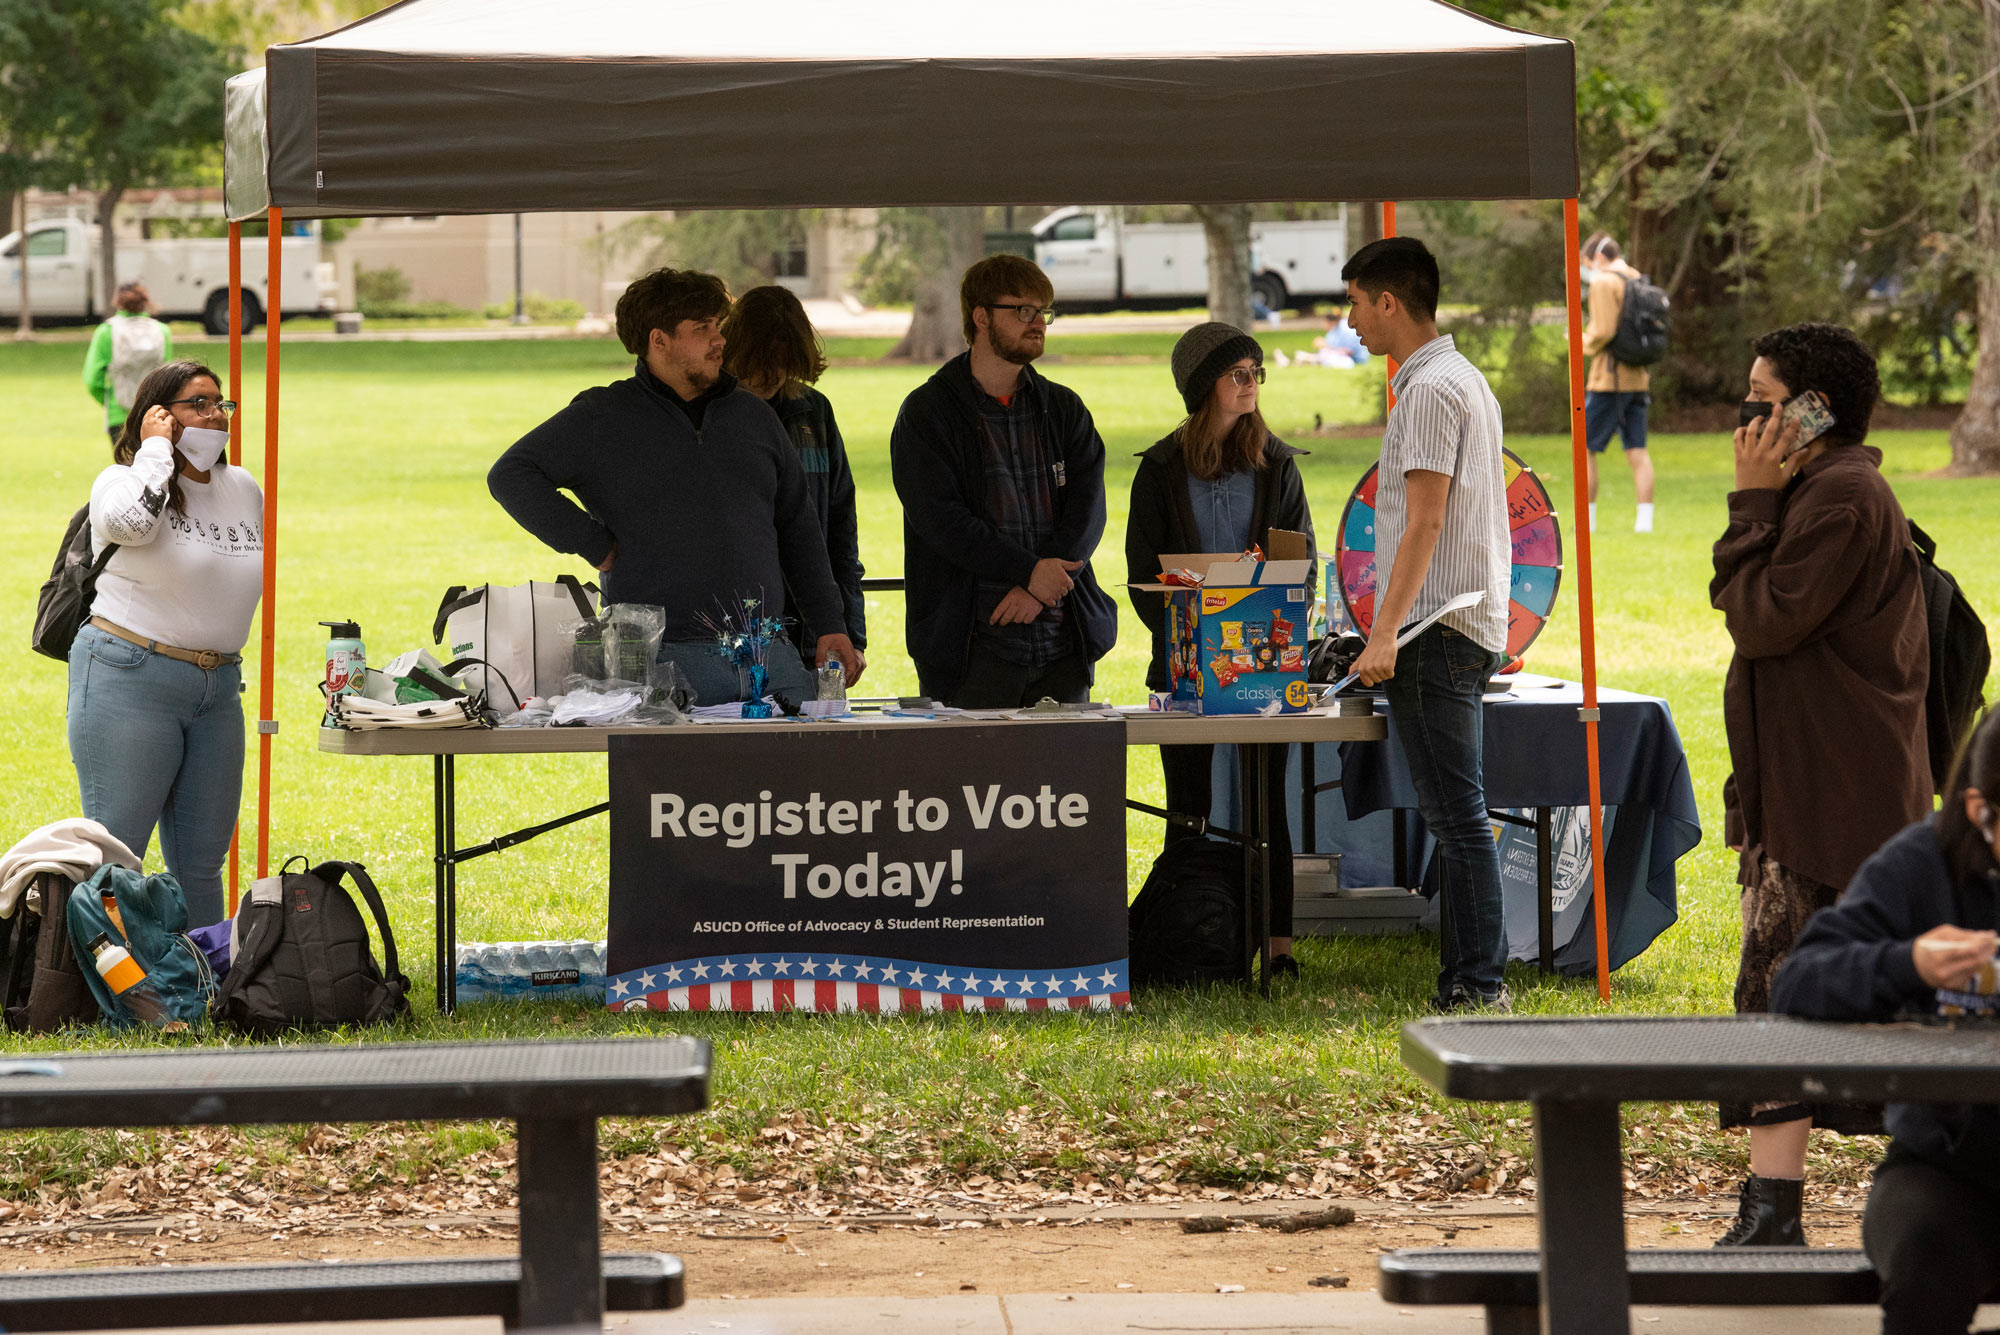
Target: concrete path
<point>1360,1313</point>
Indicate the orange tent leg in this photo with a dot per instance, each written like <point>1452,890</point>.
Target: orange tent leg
<point>267,725</point>
<point>1587,630</point>
<point>235,454</point>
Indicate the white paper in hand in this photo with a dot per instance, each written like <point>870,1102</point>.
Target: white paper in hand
<point>1408,633</point>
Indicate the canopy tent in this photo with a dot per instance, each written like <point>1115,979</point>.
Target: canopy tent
<point>505,106</point>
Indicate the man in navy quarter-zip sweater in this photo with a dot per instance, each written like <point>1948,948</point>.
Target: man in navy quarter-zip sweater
<point>1001,475</point>
<point>692,498</point>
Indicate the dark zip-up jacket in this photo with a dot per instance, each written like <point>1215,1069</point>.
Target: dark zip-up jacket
<point>950,544</point>
<point>1853,962</point>
<point>1162,522</point>
<point>702,518</point>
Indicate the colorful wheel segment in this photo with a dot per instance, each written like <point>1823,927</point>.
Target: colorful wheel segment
<point>1533,529</point>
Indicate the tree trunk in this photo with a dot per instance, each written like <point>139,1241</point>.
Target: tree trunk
<point>1228,229</point>
<point>1975,436</point>
<point>26,328</point>
<point>936,330</point>
<point>107,249</point>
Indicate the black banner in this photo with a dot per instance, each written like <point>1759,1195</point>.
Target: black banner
<point>844,867</point>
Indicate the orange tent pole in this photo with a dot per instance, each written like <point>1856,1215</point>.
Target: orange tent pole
<point>235,453</point>
<point>267,725</point>
<point>1389,375</point>
<point>1587,630</point>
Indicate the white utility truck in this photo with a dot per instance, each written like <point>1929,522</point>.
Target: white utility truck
<point>1096,260</point>
<point>186,277</point>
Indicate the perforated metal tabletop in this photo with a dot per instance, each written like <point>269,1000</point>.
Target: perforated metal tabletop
<point>360,1083</point>
<point>1633,1059</point>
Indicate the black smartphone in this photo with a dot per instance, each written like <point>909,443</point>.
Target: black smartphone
<point>1751,409</point>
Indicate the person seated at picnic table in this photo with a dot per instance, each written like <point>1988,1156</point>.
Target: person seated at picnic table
<point>1219,482</point>
<point>1823,705</point>
<point>1339,346</point>
<point>1915,934</point>
<point>693,497</point>
<point>155,676</point>
<point>775,353</point>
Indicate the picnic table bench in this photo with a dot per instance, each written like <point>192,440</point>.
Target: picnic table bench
<point>553,1091</point>
<point>1576,1071</point>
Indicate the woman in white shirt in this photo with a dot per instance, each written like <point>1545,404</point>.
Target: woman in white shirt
<point>155,680</point>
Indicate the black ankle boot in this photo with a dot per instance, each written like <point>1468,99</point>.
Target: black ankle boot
<point>1768,1214</point>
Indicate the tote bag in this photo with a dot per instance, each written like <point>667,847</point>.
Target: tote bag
<point>516,631</point>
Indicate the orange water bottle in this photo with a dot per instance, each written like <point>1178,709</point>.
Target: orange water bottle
<point>129,983</point>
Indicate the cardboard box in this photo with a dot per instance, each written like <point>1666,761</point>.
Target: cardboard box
<point>1237,644</point>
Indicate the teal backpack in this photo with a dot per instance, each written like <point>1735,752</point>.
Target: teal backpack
<point>154,914</point>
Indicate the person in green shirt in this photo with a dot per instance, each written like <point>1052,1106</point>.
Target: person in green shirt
<point>124,351</point>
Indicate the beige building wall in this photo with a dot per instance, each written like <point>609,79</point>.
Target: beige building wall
<point>469,261</point>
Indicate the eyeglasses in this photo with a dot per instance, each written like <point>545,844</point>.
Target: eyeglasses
<point>206,407</point>
<point>1028,314</point>
<point>1246,376</point>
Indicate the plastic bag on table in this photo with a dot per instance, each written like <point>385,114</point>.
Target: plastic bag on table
<point>668,696</point>
<point>632,640</point>
<point>595,704</point>
<point>586,653</point>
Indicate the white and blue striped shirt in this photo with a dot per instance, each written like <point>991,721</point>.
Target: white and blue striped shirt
<point>1446,420</point>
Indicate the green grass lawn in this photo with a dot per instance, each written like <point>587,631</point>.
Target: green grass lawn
<point>384,505</point>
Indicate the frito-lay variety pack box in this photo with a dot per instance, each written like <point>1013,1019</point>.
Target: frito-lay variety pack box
<point>1236,644</point>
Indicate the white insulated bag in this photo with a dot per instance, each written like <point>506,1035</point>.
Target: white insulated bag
<point>516,633</point>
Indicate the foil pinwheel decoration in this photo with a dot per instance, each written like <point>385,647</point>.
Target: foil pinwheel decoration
<point>743,636</point>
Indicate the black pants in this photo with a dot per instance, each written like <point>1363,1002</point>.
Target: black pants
<point>1934,1238</point>
<point>994,683</point>
<point>1187,770</point>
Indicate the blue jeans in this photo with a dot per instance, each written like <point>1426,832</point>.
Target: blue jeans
<point>159,742</point>
<point>1434,702</point>
<point>717,682</point>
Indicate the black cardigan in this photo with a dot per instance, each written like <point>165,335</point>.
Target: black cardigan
<point>1162,521</point>
<point>1853,962</point>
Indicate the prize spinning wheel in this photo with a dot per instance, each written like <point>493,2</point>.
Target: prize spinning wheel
<point>1536,538</point>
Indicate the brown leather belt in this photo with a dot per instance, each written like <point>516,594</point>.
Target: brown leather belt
<point>208,660</point>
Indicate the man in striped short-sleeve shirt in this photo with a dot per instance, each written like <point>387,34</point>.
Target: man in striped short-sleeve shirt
<point>1440,531</point>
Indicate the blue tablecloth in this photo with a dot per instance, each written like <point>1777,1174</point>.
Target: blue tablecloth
<point>1534,759</point>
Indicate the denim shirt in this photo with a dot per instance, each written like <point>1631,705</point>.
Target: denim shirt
<point>1222,510</point>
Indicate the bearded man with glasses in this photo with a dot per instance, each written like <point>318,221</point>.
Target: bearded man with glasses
<point>1001,475</point>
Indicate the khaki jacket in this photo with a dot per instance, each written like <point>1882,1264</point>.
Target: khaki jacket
<point>1607,296</point>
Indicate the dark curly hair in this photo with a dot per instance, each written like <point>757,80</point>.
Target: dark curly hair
<point>1833,360</point>
<point>662,299</point>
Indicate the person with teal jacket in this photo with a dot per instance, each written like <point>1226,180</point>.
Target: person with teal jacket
<point>125,349</point>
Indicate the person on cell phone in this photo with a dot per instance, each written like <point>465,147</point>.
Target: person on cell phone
<point>1915,936</point>
<point>1824,703</point>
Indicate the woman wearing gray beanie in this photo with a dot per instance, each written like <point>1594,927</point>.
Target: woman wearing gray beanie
<point>1218,483</point>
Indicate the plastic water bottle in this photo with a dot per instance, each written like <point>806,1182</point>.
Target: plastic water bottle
<point>346,663</point>
<point>129,983</point>
<point>831,681</point>
<point>590,970</point>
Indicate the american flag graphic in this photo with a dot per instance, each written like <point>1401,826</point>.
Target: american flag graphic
<point>833,982</point>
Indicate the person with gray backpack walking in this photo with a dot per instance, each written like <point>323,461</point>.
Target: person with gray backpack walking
<point>127,348</point>
<point>1627,333</point>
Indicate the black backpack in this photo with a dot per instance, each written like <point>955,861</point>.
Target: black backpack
<point>1960,659</point>
<point>63,605</point>
<point>1187,923</point>
<point>42,987</point>
<point>1643,321</point>
<point>299,955</point>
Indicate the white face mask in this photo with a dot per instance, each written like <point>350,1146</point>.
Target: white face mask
<point>201,446</point>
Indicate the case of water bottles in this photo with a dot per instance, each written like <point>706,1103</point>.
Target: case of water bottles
<point>531,971</point>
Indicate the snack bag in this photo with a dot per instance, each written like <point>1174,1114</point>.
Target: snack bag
<point>1978,997</point>
<point>1281,630</point>
<point>1232,634</point>
<point>1225,670</point>
<point>1292,658</point>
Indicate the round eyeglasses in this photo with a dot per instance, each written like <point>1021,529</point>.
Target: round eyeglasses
<point>206,407</point>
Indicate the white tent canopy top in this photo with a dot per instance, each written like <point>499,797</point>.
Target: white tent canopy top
<point>504,106</point>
